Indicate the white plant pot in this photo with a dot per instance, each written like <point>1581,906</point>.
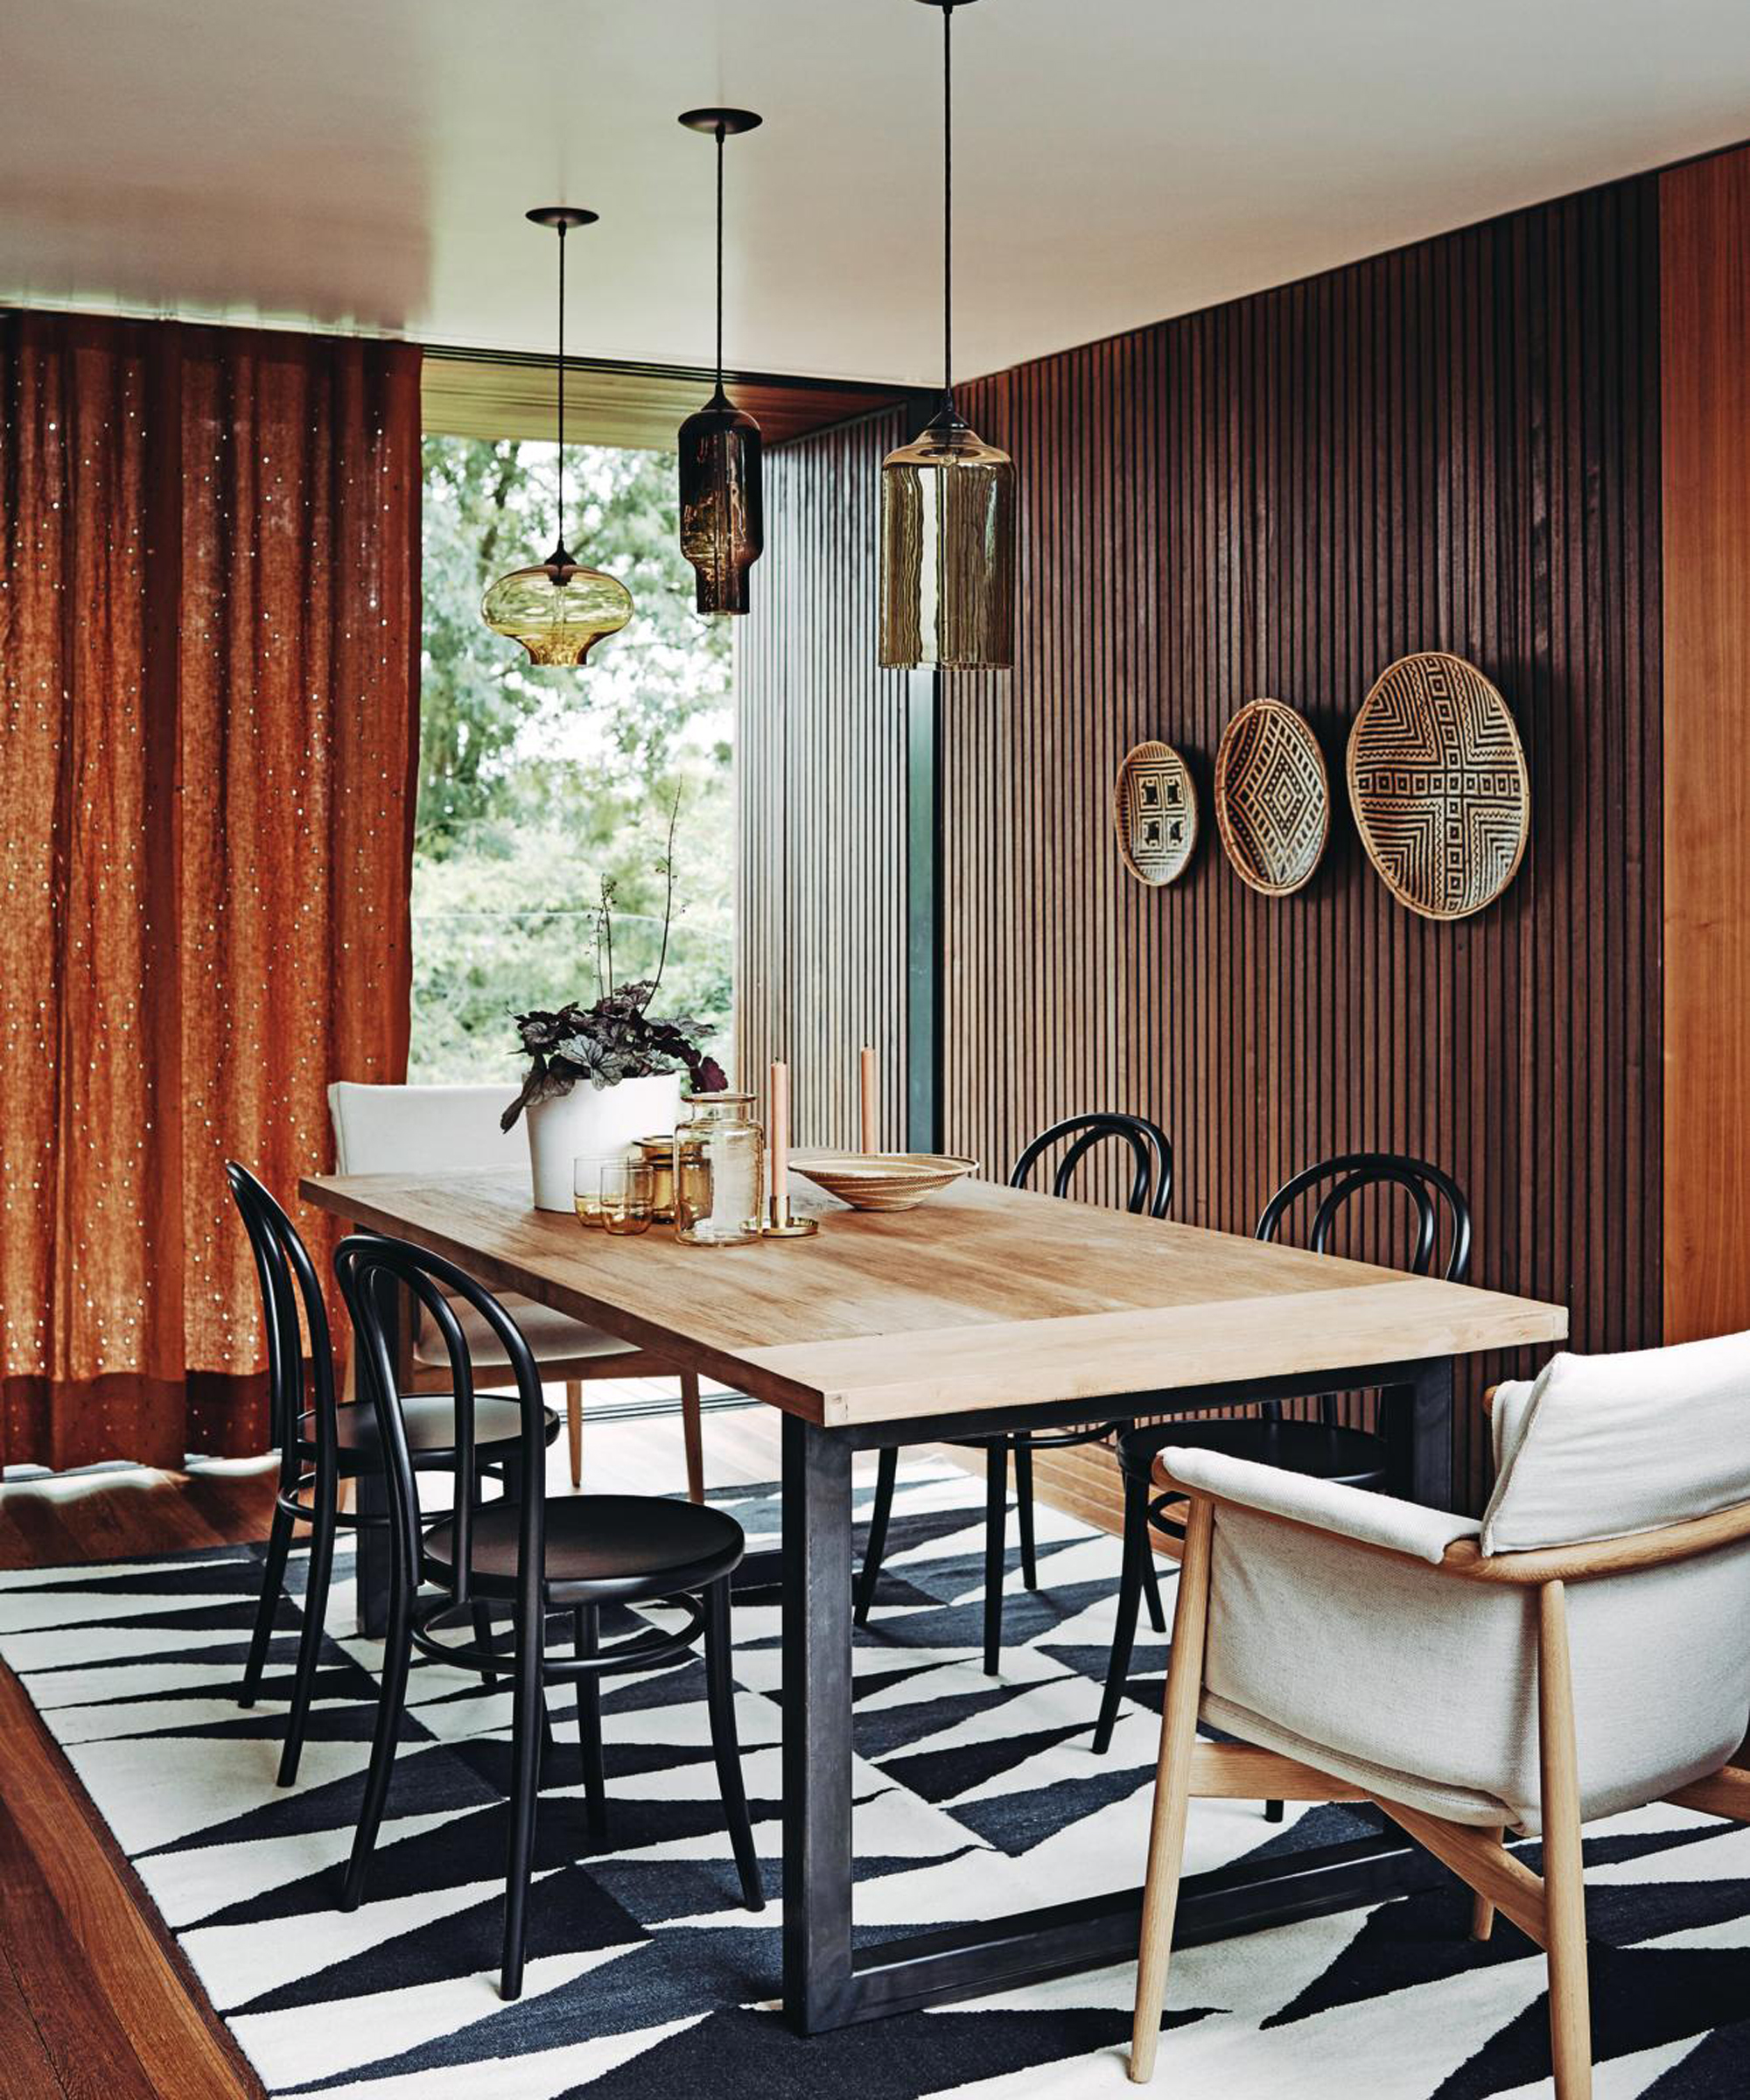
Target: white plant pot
<point>594,1120</point>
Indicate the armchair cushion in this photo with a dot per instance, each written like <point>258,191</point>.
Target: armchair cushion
<point>1603,1447</point>
<point>381,1129</point>
<point>408,1130</point>
<point>552,1337</point>
<point>1374,1520</point>
<point>1434,1797</point>
<point>1422,1688</point>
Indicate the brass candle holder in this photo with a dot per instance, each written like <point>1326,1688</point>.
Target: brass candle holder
<point>780,1222</point>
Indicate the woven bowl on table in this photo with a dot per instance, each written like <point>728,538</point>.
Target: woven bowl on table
<point>882,1180</point>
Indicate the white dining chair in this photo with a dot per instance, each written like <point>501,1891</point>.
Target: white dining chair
<point>1582,1650</point>
<point>390,1130</point>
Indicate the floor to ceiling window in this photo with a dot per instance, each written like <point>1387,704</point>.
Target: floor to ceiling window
<point>542,791</point>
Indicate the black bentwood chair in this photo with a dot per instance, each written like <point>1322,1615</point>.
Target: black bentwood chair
<point>1323,1449</point>
<point>1151,1190</point>
<point>523,1557</point>
<point>320,1444</point>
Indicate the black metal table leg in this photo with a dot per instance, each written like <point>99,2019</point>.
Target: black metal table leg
<point>817,1764</point>
<point>825,1985</point>
<point>1416,1420</point>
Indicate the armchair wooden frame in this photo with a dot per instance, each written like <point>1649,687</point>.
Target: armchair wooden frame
<point>1549,1909</point>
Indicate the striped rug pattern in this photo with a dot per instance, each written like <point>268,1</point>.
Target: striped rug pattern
<point>974,1796</point>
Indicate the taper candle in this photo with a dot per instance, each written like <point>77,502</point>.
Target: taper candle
<point>867,1077</point>
<point>780,1130</point>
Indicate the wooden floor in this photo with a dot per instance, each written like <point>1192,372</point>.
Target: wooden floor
<point>94,2001</point>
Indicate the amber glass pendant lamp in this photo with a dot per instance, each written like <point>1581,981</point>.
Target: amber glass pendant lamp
<point>948,501</point>
<point>723,513</point>
<point>561,608</point>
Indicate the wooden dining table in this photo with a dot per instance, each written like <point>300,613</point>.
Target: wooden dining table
<point>985,1309</point>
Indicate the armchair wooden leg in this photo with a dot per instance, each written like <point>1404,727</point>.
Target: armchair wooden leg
<point>574,1427</point>
<point>1481,1861</point>
<point>690,1431</point>
<point>1482,1907</point>
<point>1723,1793</point>
<point>1563,1883</point>
<point>1172,1789</point>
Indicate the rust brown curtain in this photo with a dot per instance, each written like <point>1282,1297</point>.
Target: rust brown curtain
<point>209,631</point>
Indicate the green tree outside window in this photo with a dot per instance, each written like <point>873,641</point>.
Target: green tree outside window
<point>537,787</point>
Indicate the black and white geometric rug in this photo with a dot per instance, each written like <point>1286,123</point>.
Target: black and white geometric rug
<point>646,1981</point>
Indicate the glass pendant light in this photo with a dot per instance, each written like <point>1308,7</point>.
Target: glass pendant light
<point>948,501</point>
<point>560,609</point>
<point>723,522</point>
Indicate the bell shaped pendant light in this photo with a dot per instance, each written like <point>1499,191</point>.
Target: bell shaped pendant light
<point>948,501</point>
<point>723,520</point>
<point>561,608</point>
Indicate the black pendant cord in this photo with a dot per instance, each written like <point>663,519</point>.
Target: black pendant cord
<point>947,208</point>
<point>720,137</point>
<point>561,389</point>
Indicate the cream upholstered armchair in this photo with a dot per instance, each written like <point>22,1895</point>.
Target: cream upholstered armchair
<point>383,1129</point>
<point>1583,1650</point>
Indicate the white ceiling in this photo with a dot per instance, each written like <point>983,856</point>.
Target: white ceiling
<point>366,164</point>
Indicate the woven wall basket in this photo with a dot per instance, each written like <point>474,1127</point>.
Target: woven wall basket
<point>1272,797</point>
<point>1154,813</point>
<point>1439,786</point>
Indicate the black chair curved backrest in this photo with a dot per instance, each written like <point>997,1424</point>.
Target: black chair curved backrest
<point>1151,1156</point>
<point>372,1268</point>
<point>288,1278</point>
<point>1437,1199</point>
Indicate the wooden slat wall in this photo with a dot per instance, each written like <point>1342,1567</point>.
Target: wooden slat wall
<point>820,766</point>
<point>1705,216</point>
<point>1454,446</point>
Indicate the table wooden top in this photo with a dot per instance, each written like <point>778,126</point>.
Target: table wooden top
<point>983,1297</point>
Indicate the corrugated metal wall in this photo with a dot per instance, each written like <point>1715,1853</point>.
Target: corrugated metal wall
<point>821,767</point>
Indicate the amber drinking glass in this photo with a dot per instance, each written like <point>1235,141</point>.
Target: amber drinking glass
<point>587,1171</point>
<point>627,1189</point>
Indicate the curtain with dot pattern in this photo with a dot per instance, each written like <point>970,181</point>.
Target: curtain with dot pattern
<point>209,637</point>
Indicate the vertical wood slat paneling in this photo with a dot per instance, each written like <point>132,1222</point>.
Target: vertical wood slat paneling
<point>821,793</point>
<point>1454,446</point>
<point>1704,210</point>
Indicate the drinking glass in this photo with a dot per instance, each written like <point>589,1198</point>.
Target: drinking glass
<point>627,1191</point>
<point>587,1184</point>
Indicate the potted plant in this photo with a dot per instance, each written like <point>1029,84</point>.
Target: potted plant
<point>602,1075</point>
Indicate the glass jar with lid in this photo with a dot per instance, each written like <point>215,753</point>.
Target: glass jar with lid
<point>719,1170</point>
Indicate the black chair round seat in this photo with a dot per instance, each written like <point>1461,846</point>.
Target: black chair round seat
<point>431,1419</point>
<point>1326,1453</point>
<point>601,1549</point>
